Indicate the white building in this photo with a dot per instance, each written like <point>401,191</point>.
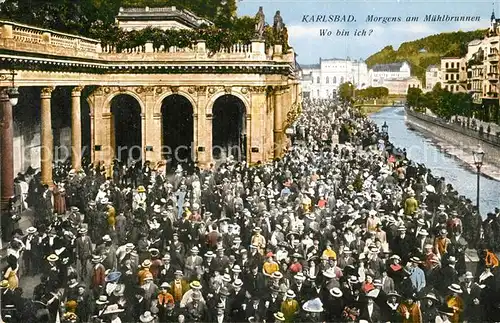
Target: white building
<point>322,80</point>
<point>432,76</point>
<point>393,71</point>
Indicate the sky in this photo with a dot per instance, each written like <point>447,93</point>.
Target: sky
<point>310,46</point>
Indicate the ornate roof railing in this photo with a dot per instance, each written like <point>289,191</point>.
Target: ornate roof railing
<point>17,38</point>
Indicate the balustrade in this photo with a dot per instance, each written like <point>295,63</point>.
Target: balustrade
<point>25,38</point>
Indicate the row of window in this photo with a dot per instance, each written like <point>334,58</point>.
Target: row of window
<point>451,87</point>
<point>451,77</point>
<point>452,65</point>
<point>327,81</point>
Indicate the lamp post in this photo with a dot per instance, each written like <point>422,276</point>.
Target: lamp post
<point>478,155</point>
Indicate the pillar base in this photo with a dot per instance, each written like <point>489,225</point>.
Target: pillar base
<point>4,203</point>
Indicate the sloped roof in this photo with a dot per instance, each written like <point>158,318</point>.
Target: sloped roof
<point>431,67</point>
<point>391,67</point>
<point>310,66</point>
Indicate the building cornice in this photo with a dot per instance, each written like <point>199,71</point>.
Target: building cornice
<point>65,64</point>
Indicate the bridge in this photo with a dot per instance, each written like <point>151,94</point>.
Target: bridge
<point>254,85</point>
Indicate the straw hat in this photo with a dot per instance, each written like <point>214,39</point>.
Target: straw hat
<point>103,299</point>
<point>112,309</point>
<point>444,309</point>
<point>431,296</point>
<point>141,189</point>
<point>31,230</point>
<point>300,276</point>
<point>468,275</point>
<point>290,294</point>
<point>96,258</point>
<point>336,292</point>
<point>52,258</point>
<point>279,317</point>
<point>455,288</point>
<point>238,283</point>
<point>146,317</point>
<point>195,285</point>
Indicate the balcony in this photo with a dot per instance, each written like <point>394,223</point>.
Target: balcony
<point>493,77</point>
<point>491,95</point>
<point>493,57</point>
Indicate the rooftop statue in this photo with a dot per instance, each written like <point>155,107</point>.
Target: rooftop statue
<point>260,23</point>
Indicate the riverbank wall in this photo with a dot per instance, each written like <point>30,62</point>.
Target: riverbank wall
<point>458,136</point>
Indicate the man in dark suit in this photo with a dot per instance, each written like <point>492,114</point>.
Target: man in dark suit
<point>472,299</point>
<point>84,249</point>
<point>255,309</point>
<point>370,311</point>
<point>272,304</point>
<point>255,281</point>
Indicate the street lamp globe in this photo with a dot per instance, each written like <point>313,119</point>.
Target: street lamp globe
<point>478,155</point>
<point>13,93</point>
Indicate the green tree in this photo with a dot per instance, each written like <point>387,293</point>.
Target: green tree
<point>346,92</point>
<point>413,97</point>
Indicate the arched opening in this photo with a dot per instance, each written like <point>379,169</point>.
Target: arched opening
<point>126,112</point>
<point>229,128</point>
<point>177,130</point>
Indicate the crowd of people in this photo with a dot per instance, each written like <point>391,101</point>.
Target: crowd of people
<point>343,228</point>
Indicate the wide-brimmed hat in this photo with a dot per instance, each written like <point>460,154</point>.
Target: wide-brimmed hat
<point>83,230</point>
<point>415,260</point>
<point>31,230</point>
<point>336,292</point>
<point>112,309</point>
<point>179,272</point>
<point>154,252</point>
<point>468,275</point>
<point>195,250</point>
<point>455,288</point>
<point>431,296</point>
<point>165,285</point>
<point>146,317</point>
<point>238,283</point>
<point>329,273</point>
<point>279,316</point>
<point>113,276</point>
<point>442,207</point>
<point>103,299</point>
<point>444,309</point>
<point>395,294</point>
<point>443,231</point>
<point>395,257</point>
<point>195,285</point>
<point>224,291</point>
<point>300,276</point>
<point>313,306</point>
<point>52,258</point>
<point>226,278</point>
<point>96,258</point>
<point>353,279</point>
<point>119,290</point>
<point>276,275</point>
<point>423,232</point>
<point>420,221</point>
<point>106,238</point>
<point>290,294</point>
<point>209,254</point>
<point>236,269</point>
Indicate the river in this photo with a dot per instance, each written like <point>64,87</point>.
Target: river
<point>432,153</point>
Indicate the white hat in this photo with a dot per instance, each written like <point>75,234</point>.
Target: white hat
<point>336,292</point>
<point>290,294</point>
<point>31,230</point>
<point>455,288</point>
<point>146,317</point>
<point>114,308</point>
<point>106,238</point>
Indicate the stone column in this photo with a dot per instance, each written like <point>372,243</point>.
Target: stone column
<point>278,124</point>
<point>76,128</point>
<point>7,146</point>
<point>47,144</point>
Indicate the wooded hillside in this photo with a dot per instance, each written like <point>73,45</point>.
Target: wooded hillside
<point>426,51</point>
